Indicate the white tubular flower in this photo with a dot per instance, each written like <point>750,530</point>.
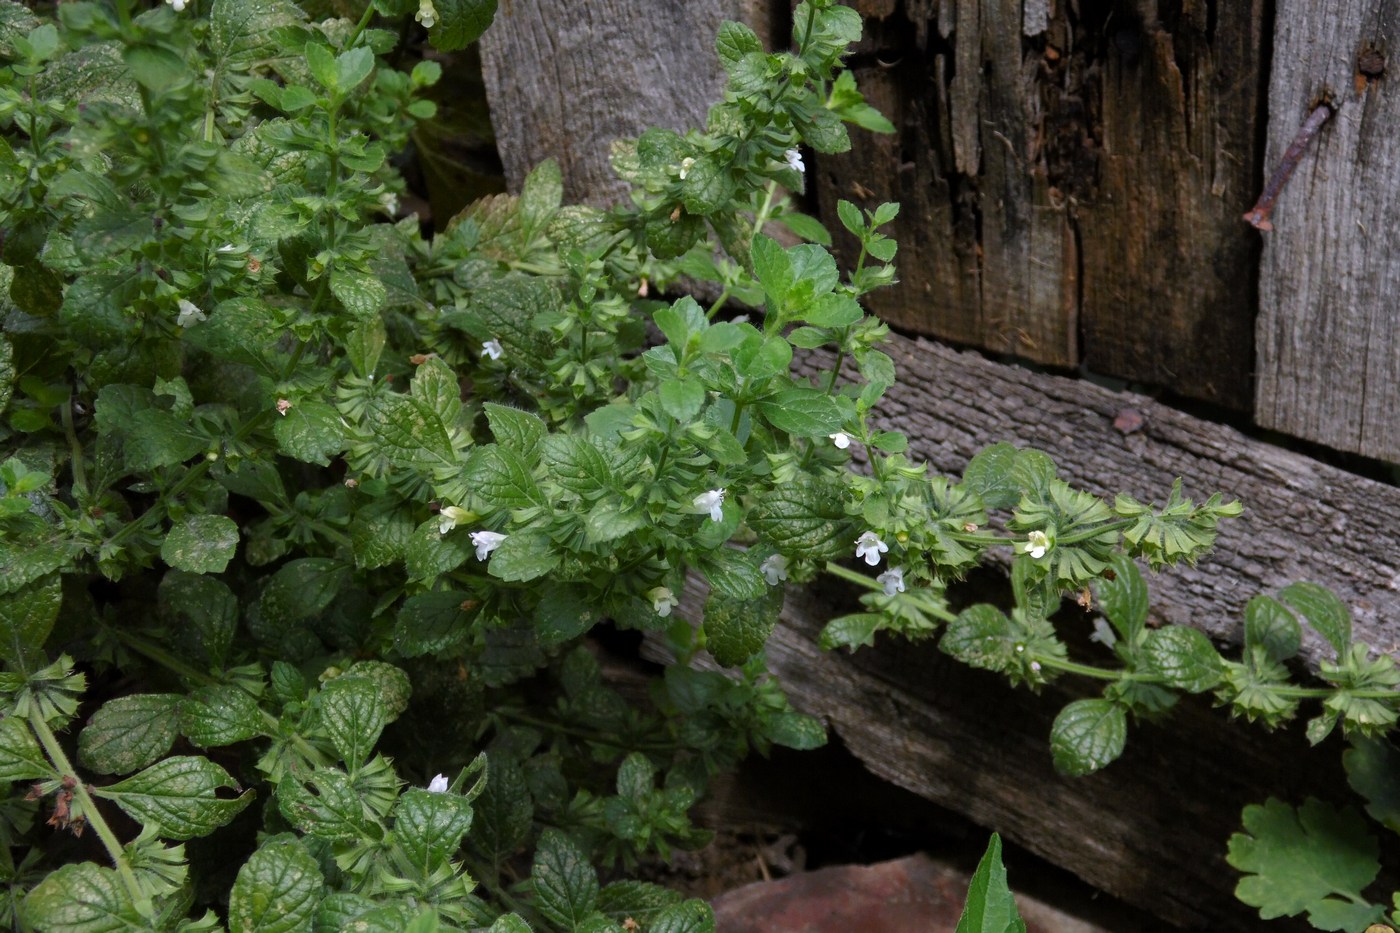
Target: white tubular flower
<point>283,406</point>
<point>486,542</point>
<point>794,161</point>
<point>712,502</point>
<point>686,165</point>
<point>892,580</point>
<point>1037,543</point>
<point>438,785</point>
<point>452,516</point>
<point>493,349</point>
<point>774,569</point>
<point>227,248</point>
<point>870,547</point>
<point>427,13</point>
<point>179,5</point>
<point>1103,634</point>
<point>841,439</point>
<point>662,600</point>
<point>189,313</point>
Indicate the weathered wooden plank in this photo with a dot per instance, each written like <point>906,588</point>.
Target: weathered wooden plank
<point>565,79</point>
<point>1328,347</point>
<point>1070,178</point>
<point>1303,519</point>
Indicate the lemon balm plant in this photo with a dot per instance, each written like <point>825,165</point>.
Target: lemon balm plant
<point>305,514</point>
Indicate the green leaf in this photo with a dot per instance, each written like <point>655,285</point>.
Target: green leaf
<point>504,811</point>
<point>573,461</point>
<point>129,733</point>
<point>1124,599</point>
<point>429,828</point>
<point>1088,735</point>
<point>276,890</point>
<point>21,758</point>
<point>853,631</point>
<point>832,310</point>
<point>773,268</point>
<point>411,432</point>
<point>803,412</point>
<point>392,683</point>
<point>805,518</point>
<point>981,636</point>
<point>692,916</point>
<point>433,623</point>
<point>351,67</point>
<point>562,614</point>
<point>734,574</point>
<point>735,40</point>
<point>990,906</point>
<point>460,23</point>
<point>707,186</point>
<point>221,715</point>
<point>682,399</point>
<point>737,628</point>
<point>1372,765</point>
<point>563,880</point>
<point>326,805</point>
<point>320,60</point>
<point>1184,657</point>
<point>204,612</point>
<point>82,898</point>
<point>1270,626</point>
<point>7,372</point>
<point>179,795</point>
<point>500,476</point>
<point>1324,612</point>
<point>200,543</point>
<point>26,618</point>
<point>526,555</point>
<point>430,553</point>
<point>794,730</point>
<point>310,431</point>
<point>1313,859</point>
<point>154,66</point>
<point>353,716</point>
<point>301,589</point>
<point>515,430</point>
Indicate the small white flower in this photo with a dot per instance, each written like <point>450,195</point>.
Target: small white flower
<point>686,165</point>
<point>870,547</point>
<point>189,313</point>
<point>1103,634</point>
<point>892,580</point>
<point>283,406</point>
<point>794,161</point>
<point>712,502</point>
<point>179,5</point>
<point>438,785</point>
<point>486,542</point>
<point>427,13</point>
<point>226,248</point>
<point>662,600</point>
<point>389,203</point>
<point>841,439</point>
<point>450,517</point>
<point>1035,666</point>
<point>774,569</point>
<point>493,349</point>
<point>1037,543</point>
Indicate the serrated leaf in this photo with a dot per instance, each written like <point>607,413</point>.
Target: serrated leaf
<point>220,715</point>
<point>129,733</point>
<point>411,433</point>
<point>301,589</point>
<point>205,613</point>
<point>179,795</point>
<point>736,628</point>
<point>575,463</point>
<point>990,906</point>
<point>26,618</point>
<point>803,412</point>
<point>733,574</point>
<point>853,631</point>
<point>504,811</point>
<point>326,805</point>
<point>524,556</point>
<point>21,758</point>
<point>1184,657</point>
<point>682,399</point>
<point>460,23</point>
<point>501,477</point>
<point>806,518</point>
<point>640,900</point>
<point>276,890</point>
<point>201,543</point>
<point>692,916</point>
<point>1124,599</point>
<point>433,623</point>
<point>353,717</point>
<point>1313,859</point>
<point>562,614</point>
<point>1372,765</point>
<point>82,898</point>
<point>429,827</point>
<point>430,553</point>
<point>794,730</point>
<point>1088,735</point>
<point>563,880</point>
<point>392,683</point>
<point>1324,612</point>
<point>1270,626</point>
<point>310,431</point>
<point>514,429</point>
<point>981,636</point>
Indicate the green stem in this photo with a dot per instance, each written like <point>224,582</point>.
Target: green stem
<point>75,450</point>
<point>585,734</point>
<point>361,26</point>
<point>719,303</point>
<point>1085,670</point>
<point>110,842</point>
<point>1087,533</point>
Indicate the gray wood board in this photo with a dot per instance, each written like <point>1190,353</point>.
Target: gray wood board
<point>565,79</point>
<point>1328,343</point>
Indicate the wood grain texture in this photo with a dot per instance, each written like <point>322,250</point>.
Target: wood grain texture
<point>565,79</point>
<point>1303,519</point>
<point>1071,184</point>
<point>1328,344</point>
